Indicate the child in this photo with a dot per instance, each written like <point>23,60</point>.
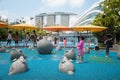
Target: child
<point>96,48</point>
<point>64,42</point>
<point>88,46</point>
<point>55,41</point>
<point>80,50</point>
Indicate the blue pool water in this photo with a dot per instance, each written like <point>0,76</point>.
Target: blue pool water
<point>45,67</point>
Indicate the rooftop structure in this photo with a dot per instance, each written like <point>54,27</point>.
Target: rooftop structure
<point>55,13</point>
<point>51,19</point>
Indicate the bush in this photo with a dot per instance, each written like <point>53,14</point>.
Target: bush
<point>101,44</point>
<point>118,42</point>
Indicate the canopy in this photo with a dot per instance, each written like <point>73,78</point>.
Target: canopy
<point>91,28</point>
<point>22,26</point>
<point>3,24</point>
<point>56,28</point>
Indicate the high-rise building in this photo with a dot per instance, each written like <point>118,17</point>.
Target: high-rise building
<point>50,20</point>
<point>39,21</point>
<point>56,18</point>
<point>65,19</point>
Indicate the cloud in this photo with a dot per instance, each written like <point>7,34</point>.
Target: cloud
<point>54,3</point>
<point>76,3</point>
<point>4,14</point>
<point>28,21</point>
<point>60,3</point>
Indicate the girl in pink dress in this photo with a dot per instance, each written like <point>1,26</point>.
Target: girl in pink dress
<point>80,48</point>
<point>64,42</point>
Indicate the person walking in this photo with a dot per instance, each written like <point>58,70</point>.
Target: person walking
<point>80,47</point>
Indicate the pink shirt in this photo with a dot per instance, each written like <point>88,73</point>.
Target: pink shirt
<point>80,45</point>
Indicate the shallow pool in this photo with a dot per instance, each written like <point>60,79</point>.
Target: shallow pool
<point>45,67</point>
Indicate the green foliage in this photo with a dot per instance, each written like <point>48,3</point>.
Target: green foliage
<point>110,18</point>
<point>101,44</point>
<point>118,43</point>
<point>3,33</point>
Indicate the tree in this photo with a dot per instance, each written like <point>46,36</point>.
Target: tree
<point>110,18</point>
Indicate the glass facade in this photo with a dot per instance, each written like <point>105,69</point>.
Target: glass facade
<point>89,15</point>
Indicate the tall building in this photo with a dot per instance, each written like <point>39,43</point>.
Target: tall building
<point>50,20</point>
<point>89,15</point>
<point>65,19</point>
<point>39,21</point>
<point>53,19</point>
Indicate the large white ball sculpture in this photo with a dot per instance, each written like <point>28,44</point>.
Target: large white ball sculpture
<point>44,46</point>
<point>70,54</point>
<point>15,54</point>
<point>66,66</point>
<point>18,66</point>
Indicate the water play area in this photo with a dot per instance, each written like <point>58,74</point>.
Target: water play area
<point>46,67</point>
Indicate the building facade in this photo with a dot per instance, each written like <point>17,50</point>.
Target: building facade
<point>52,19</point>
<point>89,16</point>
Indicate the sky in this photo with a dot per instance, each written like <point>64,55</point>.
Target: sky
<point>17,9</point>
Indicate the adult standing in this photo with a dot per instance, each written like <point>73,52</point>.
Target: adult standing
<point>16,38</point>
<point>27,38</point>
<point>108,45</point>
